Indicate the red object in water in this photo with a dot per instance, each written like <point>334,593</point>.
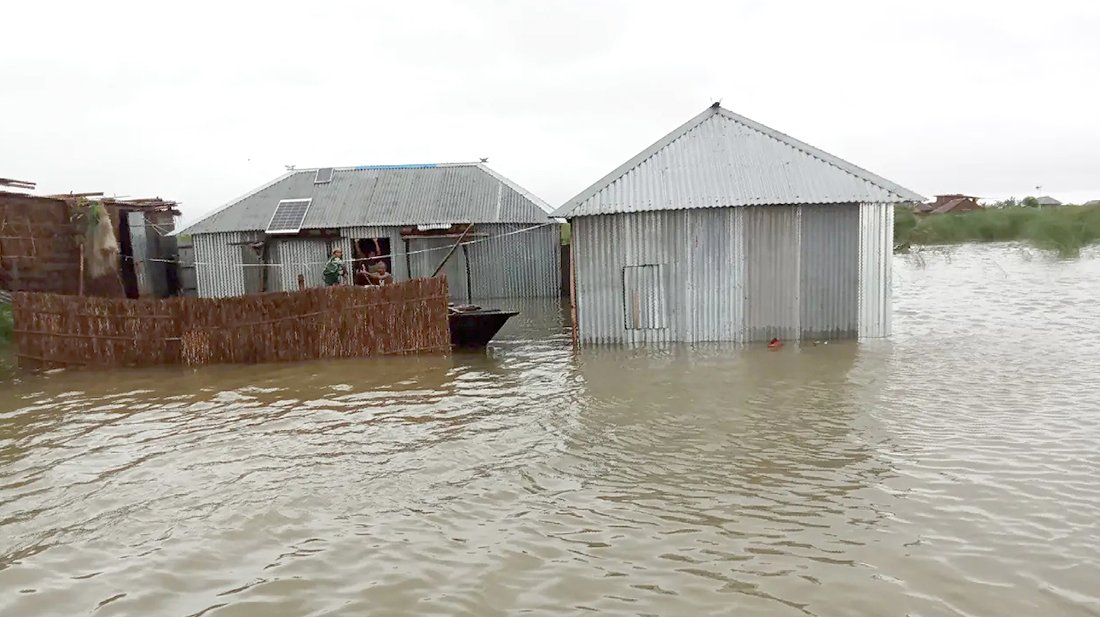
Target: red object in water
<point>775,343</point>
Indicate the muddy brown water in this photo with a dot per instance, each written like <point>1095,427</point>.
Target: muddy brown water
<point>951,470</point>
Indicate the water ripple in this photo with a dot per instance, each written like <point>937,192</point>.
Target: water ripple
<point>951,470</point>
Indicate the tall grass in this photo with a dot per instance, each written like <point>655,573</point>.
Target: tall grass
<point>1064,230</point>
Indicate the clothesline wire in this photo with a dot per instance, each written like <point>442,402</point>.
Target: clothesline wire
<point>350,260</point>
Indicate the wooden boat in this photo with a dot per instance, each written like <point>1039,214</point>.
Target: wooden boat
<point>472,327</point>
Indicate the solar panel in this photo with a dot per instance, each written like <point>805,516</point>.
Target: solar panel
<point>288,216</point>
<point>324,175</point>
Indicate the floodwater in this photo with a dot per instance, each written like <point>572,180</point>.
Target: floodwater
<point>951,470</point>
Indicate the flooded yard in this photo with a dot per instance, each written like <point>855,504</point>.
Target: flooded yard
<point>953,469</point>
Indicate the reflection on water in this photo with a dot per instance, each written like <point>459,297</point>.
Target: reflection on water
<point>951,470</point>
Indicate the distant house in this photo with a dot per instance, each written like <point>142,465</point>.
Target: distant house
<point>949,204</point>
<point>1047,200</point>
<point>1094,202</point>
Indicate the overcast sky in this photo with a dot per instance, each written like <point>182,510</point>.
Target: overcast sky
<point>203,101</point>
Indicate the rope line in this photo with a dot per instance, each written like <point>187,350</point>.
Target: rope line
<point>351,261</point>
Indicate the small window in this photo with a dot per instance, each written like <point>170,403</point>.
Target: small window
<point>324,176</point>
<point>644,297</point>
<point>289,216</point>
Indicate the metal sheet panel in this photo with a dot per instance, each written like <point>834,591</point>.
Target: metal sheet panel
<point>385,195</point>
<point>715,279</point>
<point>772,254</point>
<point>700,253</point>
<point>526,264</point>
<point>218,267</point>
<point>829,270</point>
<point>426,255</point>
<point>150,248</point>
<point>720,159</point>
<point>645,296</point>
<point>141,250</point>
<point>189,284</point>
<point>876,252</point>
<point>293,256</point>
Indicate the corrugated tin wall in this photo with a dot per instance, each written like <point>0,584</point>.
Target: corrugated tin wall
<point>876,251</point>
<point>728,274</point>
<point>189,285</point>
<point>829,284</point>
<point>772,239</point>
<point>218,264</point>
<point>143,249</point>
<point>700,255</point>
<point>305,256</point>
<point>424,258</point>
<point>716,284</point>
<point>521,265</point>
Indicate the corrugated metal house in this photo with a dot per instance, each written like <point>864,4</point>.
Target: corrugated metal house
<point>410,214</point>
<point>727,230</point>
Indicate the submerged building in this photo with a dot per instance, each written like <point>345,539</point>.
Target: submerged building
<point>727,230</point>
<point>410,215</point>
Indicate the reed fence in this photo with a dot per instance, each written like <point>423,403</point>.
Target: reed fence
<point>331,322</point>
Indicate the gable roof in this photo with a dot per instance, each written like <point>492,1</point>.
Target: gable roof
<point>721,159</point>
<point>954,203</point>
<point>1047,200</point>
<point>379,195</point>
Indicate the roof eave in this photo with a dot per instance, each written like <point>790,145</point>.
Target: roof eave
<point>898,199</point>
<point>189,228</point>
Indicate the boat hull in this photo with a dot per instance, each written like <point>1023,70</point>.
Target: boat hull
<point>474,329</point>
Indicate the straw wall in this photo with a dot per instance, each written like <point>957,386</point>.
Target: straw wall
<point>333,322</point>
<point>39,250</point>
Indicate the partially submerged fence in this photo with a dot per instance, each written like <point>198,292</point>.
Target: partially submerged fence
<point>333,322</point>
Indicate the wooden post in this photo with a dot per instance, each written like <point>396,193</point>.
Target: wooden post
<point>263,266</point>
<point>80,291</point>
<point>573,289</point>
<point>451,252</point>
<point>301,282</point>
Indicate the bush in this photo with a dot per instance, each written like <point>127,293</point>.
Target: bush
<point>904,224</point>
<point>1064,230</point>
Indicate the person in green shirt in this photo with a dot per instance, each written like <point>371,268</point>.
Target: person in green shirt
<point>334,269</point>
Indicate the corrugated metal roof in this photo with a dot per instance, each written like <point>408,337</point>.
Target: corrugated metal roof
<point>720,159</point>
<point>385,195</point>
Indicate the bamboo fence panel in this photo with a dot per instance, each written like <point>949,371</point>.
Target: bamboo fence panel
<point>331,322</point>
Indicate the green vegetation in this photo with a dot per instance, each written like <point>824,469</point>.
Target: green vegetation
<point>6,324</point>
<point>1064,230</point>
<point>566,233</point>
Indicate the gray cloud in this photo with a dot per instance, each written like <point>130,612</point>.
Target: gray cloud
<point>202,102</point>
